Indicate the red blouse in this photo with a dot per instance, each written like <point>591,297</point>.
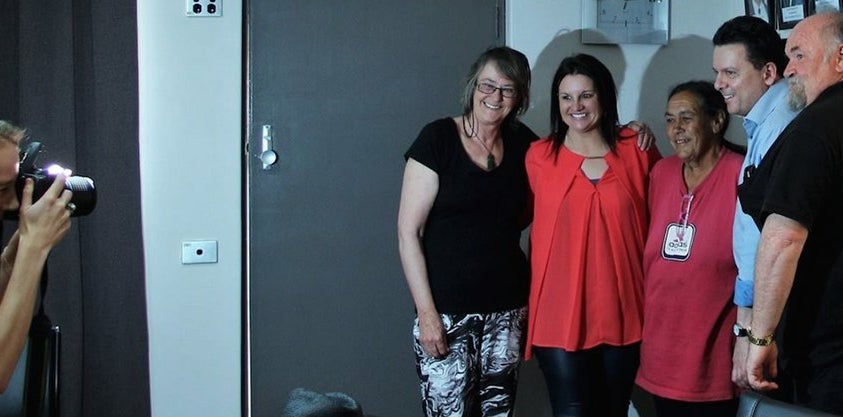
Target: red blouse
<point>587,243</point>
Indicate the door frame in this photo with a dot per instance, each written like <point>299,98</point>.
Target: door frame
<point>248,154</point>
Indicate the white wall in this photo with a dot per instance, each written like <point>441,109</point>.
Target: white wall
<point>539,26</point>
<point>190,113</point>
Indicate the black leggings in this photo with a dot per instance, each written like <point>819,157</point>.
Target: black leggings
<point>591,382</point>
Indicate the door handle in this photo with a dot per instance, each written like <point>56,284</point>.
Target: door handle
<point>267,156</point>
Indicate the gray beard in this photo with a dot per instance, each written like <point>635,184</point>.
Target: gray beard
<point>796,98</point>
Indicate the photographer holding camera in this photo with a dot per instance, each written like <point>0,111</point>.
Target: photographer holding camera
<point>41,226</point>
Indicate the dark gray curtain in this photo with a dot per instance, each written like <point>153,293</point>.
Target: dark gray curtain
<point>8,60</point>
<point>68,73</point>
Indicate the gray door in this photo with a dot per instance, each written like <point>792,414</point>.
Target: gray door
<point>346,85</point>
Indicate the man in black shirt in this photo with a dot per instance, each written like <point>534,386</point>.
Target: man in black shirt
<point>796,197</point>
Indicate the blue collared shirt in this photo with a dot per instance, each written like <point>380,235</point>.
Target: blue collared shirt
<point>767,118</point>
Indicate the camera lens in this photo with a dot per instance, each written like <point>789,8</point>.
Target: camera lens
<point>212,8</point>
<point>197,8</point>
<point>84,194</point>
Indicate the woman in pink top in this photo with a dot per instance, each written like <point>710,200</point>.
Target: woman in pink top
<point>689,271</point>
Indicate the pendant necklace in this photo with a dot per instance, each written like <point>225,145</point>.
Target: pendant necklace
<point>490,159</point>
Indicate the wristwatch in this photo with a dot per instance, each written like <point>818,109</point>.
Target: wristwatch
<point>739,331</point>
<point>759,341</point>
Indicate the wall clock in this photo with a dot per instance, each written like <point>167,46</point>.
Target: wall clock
<point>626,21</point>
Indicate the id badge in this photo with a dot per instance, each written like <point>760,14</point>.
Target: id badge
<point>677,242</point>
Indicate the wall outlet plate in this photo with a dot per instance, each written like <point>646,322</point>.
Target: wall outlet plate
<point>199,252</point>
<point>203,8</point>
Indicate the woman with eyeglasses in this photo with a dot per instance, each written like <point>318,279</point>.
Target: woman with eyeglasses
<point>689,269</point>
<point>464,202</point>
<point>589,180</point>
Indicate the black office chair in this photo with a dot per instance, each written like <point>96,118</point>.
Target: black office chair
<point>754,404</point>
<point>33,390</point>
<point>41,385</point>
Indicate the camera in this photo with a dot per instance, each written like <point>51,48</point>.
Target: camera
<point>84,193</point>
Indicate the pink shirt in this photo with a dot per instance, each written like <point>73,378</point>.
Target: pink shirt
<point>686,349</point>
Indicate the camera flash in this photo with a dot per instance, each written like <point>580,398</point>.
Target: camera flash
<point>57,169</point>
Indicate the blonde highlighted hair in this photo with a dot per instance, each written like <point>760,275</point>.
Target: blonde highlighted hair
<point>11,133</point>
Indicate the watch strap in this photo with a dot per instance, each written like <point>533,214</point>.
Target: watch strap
<point>759,341</point>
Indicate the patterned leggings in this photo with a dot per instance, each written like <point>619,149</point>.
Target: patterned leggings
<point>479,375</point>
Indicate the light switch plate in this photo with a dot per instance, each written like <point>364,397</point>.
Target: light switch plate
<point>203,8</point>
<point>198,252</point>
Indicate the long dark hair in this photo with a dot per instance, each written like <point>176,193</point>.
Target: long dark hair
<point>607,98</point>
<point>713,104</point>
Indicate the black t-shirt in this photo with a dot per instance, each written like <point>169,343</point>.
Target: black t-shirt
<point>801,178</point>
<point>471,238</point>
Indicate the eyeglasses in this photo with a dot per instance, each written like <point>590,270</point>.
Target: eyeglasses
<point>487,88</point>
<point>685,210</point>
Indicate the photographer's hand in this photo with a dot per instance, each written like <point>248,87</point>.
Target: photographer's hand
<point>40,227</point>
<point>44,223</point>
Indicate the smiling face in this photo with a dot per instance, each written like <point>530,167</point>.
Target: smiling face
<point>692,133</point>
<point>492,108</point>
<point>741,84</point>
<point>578,103</point>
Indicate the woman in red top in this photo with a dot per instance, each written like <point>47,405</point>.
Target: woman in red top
<point>589,180</point>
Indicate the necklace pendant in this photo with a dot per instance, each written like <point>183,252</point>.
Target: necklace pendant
<point>490,162</point>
